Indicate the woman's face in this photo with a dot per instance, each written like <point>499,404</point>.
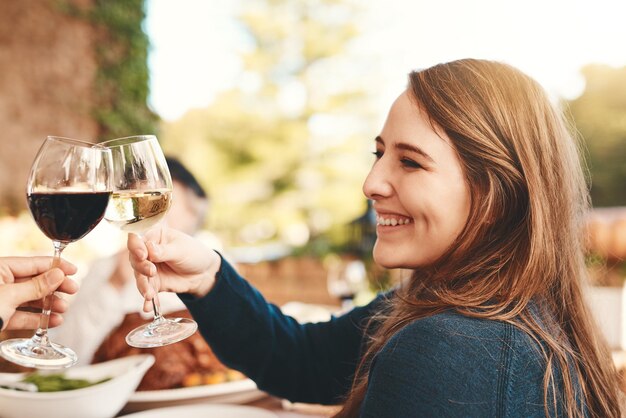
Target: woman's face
<point>417,187</point>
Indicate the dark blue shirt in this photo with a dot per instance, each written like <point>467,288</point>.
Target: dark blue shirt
<point>445,365</point>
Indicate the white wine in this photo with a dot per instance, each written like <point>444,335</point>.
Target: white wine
<point>137,211</point>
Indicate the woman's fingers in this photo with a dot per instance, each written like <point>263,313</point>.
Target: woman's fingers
<point>25,293</point>
<point>59,305</point>
<point>143,284</point>
<point>147,305</point>
<point>55,320</point>
<point>138,254</point>
<point>30,320</point>
<point>68,285</point>
<point>182,263</point>
<point>37,287</point>
<point>173,250</point>
<point>30,266</point>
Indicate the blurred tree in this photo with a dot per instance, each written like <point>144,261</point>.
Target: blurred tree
<point>600,117</point>
<point>121,52</point>
<point>122,80</point>
<point>284,154</point>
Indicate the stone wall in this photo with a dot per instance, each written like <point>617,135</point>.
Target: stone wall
<point>47,72</point>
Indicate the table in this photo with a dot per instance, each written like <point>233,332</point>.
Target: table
<point>281,408</point>
<point>276,405</point>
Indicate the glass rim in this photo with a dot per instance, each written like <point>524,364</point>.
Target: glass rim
<point>77,142</point>
<point>127,140</point>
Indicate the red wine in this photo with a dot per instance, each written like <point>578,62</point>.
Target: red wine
<point>67,216</point>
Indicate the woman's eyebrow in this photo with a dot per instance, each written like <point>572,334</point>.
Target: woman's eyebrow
<point>412,148</point>
<point>407,147</point>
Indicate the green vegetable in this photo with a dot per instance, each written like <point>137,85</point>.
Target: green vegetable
<point>58,382</point>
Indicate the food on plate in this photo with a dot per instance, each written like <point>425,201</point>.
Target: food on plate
<point>211,378</point>
<point>58,382</point>
<point>190,362</point>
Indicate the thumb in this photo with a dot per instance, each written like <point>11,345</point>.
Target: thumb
<point>38,287</point>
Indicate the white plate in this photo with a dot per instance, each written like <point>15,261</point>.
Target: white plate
<point>235,392</point>
<point>205,411</point>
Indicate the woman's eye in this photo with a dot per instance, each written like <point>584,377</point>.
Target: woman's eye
<point>410,163</point>
<point>378,154</point>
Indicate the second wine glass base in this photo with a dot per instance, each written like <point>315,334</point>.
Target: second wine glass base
<point>161,332</point>
<point>28,353</point>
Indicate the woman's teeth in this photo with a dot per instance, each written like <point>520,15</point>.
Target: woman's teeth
<point>391,221</point>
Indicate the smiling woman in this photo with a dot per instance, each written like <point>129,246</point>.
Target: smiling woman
<point>515,207</point>
<point>478,189</point>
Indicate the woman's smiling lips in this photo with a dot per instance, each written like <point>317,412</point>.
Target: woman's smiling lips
<point>391,219</point>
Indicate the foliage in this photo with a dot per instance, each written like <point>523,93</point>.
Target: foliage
<point>285,159</point>
<point>600,117</point>
<point>122,79</point>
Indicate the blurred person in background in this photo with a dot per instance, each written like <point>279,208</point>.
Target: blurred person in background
<point>106,308</point>
<point>479,190</point>
<point>24,282</point>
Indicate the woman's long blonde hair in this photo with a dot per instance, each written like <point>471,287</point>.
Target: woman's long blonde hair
<point>523,240</point>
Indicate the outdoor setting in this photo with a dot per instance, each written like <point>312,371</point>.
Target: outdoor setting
<point>312,208</point>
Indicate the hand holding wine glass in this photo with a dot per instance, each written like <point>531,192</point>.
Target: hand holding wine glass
<point>68,191</point>
<point>184,263</point>
<point>24,282</point>
<point>142,193</point>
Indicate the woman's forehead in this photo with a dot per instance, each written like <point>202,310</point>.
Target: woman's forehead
<point>408,122</point>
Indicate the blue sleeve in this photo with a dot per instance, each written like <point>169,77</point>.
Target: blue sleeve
<point>306,363</point>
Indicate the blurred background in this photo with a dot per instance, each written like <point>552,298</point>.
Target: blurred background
<point>274,105</point>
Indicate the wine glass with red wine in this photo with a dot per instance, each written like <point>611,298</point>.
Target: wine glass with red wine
<point>68,191</point>
<point>142,194</point>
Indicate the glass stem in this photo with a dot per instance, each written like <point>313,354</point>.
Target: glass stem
<point>41,335</point>
<point>156,305</point>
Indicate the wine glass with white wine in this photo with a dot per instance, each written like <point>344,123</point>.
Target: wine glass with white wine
<point>142,194</point>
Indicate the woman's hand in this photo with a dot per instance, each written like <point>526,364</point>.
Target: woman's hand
<point>24,282</point>
<point>178,262</point>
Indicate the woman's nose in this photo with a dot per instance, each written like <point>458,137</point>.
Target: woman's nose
<point>377,185</point>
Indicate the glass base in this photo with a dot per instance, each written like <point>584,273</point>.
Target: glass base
<point>28,353</point>
<point>161,332</point>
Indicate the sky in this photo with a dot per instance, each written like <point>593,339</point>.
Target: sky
<point>196,43</point>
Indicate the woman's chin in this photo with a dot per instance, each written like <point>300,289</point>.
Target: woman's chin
<point>386,259</point>
<point>390,259</point>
